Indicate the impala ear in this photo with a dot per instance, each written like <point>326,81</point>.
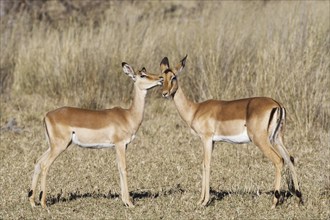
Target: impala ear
<point>144,71</point>
<point>128,70</point>
<point>164,64</point>
<point>179,67</point>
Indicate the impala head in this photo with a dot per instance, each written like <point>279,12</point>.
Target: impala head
<point>170,84</point>
<point>142,79</point>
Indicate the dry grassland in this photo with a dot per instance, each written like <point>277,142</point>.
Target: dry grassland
<point>55,54</point>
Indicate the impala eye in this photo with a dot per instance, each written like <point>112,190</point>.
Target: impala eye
<point>173,78</point>
<point>143,75</point>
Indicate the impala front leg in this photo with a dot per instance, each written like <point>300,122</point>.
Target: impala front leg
<point>205,194</point>
<point>203,184</point>
<point>121,161</point>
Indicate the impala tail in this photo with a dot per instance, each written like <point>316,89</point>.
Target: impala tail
<point>276,122</point>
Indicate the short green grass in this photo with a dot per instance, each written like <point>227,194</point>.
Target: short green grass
<point>235,50</point>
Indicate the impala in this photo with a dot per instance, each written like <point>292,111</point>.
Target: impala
<point>96,129</point>
<point>259,120</point>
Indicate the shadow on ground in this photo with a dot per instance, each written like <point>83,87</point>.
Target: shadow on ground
<point>143,194</point>
<point>220,195</point>
<point>136,195</point>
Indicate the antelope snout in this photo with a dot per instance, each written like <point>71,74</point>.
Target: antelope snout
<point>165,94</point>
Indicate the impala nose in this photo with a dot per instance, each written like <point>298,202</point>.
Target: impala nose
<point>165,94</point>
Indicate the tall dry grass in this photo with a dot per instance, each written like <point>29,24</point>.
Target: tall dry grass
<point>235,49</point>
<point>242,49</point>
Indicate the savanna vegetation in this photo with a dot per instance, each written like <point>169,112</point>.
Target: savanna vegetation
<point>61,52</point>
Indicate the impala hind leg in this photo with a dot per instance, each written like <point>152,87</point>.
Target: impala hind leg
<point>121,162</point>
<point>266,147</point>
<point>35,177</point>
<point>45,165</point>
<point>293,184</point>
<point>206,166</point>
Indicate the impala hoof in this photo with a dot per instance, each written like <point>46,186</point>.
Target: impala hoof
<point>275,202</point>
<point>129,204</point>
<point>203,202</point>
<point>301,201</point>
<point>32,203</point>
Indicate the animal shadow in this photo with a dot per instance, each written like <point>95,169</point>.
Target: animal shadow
<point>136,195</point>
<point>220,195</point>
<point>72,196</point>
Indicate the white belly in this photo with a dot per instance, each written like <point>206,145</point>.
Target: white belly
<point>90,144</point>
<point>235,139</point>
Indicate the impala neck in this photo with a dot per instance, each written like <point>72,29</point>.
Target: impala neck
<point>185,107</point>
<point>137,108</point>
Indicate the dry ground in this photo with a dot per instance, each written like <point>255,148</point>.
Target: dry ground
<point>164,176</point>
<point>54,54</point>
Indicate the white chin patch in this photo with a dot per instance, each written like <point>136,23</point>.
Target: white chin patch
<point>90,145</point>
<point>235,139</point>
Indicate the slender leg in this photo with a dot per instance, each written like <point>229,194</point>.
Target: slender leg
<point>203,186</point>
<point>36,173</point>
<point>200,201</point>
<point>266,147</point>
<point>45,165</point>
<point>121,161</point>
<point>205,195</point>
<point>293,176</point>
<point>278,170</point>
